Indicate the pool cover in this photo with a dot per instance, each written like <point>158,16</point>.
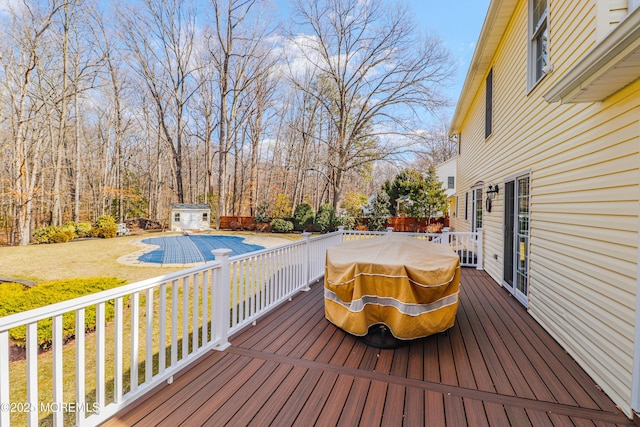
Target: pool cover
<point>193,249</point>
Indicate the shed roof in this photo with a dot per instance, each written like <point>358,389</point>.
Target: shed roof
<point>195,206</point>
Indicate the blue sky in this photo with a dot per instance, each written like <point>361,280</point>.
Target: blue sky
<point>456,22</point>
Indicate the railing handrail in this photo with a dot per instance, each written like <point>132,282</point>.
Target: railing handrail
<point>45,312</point>
<point>276,248</point>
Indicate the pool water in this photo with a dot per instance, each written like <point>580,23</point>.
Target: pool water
<point>192,249</point>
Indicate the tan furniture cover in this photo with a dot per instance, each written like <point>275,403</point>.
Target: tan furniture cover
<point>408,284</point>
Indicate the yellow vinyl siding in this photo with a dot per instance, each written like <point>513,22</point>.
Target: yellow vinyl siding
<point>610,13</point>
<point>584,166</point>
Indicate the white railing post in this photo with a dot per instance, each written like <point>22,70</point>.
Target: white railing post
<point>306,260</point>
<point>5,416</point>
<point>479,263</point>
<point>444,239</point>
<point>222,296</point>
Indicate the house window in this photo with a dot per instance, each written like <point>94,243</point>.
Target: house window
<point>176,217</point>
<point>205,216</point>
<point>538,41</point>
<point>476,222</point>
<point>466,206</point>
<point>488,114</point>
<point>451,182</point>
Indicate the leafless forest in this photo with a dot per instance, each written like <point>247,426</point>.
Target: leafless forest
<point>125,107</point>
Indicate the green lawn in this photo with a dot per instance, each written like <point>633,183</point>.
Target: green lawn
<point>90,258</point>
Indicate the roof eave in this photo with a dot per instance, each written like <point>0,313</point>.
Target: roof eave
<point>622,43</point>
<point>495,23</point>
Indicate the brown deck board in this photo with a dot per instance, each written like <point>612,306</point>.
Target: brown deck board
<point>298,399</point>
<point>374,405</point>
<point>332,409</point>
<point>352,407</point>
<point>272,405</point>
<point>496,366</point>
<point>252,406</point>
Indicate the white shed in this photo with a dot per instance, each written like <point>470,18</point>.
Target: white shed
<point>186,216</point>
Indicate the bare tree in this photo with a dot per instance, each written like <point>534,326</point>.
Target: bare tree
<point>235,46</point>
<point>205,118</point>
<point>23,35</point>
<point>370,67</point>
<point>115,81</point>
<point>433,145</point>
<point>161,37</point>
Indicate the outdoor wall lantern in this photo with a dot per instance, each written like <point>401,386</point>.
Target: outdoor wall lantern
<point>492,191</point>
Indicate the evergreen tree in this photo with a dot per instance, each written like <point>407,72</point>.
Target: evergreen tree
<point>303,217</point>
<point>425,195</point>
<point>325,218</point>
<point>435,196</point>
<point>379,209</point>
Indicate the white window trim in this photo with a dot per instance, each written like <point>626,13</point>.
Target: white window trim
<point>474,206</point>
<point>635,382</point>
<point>534,31</point>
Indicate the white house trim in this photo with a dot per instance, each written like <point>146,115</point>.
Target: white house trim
<point>635,384</point>
<point>611,65</point>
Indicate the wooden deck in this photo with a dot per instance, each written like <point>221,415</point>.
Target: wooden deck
<point>495,367</point>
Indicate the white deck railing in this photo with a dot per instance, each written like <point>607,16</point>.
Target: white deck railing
<point>467,245</point>
<point>158,326</point>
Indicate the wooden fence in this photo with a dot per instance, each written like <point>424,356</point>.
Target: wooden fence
<point>402,224</point>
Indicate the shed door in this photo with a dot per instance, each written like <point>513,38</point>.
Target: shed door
<point>192,220</point>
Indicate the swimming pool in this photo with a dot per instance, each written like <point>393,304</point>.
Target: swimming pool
<point>192,249</point>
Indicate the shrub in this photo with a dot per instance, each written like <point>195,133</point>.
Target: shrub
<point>60,237</point>
<point>325,218</point>
<point>347,221</point>
<point>279,225</point>
<point>281,207</point>
<point>105,227</point>
<point>69,228</point>
<point>83,229</point>
<point>263,227</point>
<point>303,217</point>
<point>261,214</point>
<point>235,225</point>
<point>17,298</point>
<point>44,234</point>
